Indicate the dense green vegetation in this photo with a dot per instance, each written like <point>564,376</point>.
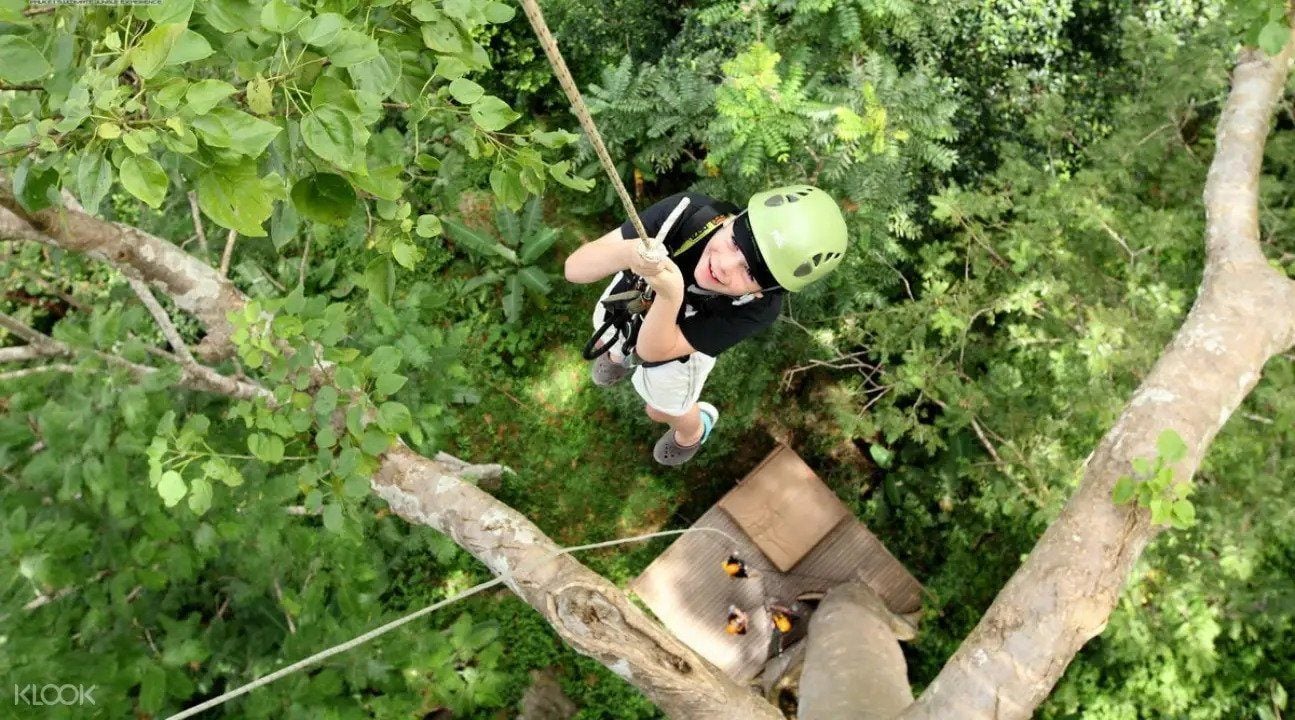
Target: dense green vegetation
<point>1023,179</point>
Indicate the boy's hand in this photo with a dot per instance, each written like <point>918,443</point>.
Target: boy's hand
<point>666,279</point>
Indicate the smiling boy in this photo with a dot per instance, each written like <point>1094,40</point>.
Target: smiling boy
<point>723,282</point>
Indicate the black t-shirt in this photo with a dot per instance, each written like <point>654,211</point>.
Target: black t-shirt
<point>710,323</point>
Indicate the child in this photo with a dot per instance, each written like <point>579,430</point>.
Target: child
<point>722,283</point>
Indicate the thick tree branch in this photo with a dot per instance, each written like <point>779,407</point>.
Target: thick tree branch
<point>1244,315</point>
<point>137,254</point>
<point>593,616</point>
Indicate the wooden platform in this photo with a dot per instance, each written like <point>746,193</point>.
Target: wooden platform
<point>795,534</point>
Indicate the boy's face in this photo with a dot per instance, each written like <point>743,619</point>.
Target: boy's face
<point>722,267</point>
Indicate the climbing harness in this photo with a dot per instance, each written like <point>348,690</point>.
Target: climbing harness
<point>624,311</point>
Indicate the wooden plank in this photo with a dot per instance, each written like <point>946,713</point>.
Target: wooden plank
<point>784,507</point>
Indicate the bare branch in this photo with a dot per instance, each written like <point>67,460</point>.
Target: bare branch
<point>229,252</point>
<point>53,367</point>
<point>19,353</point>
<point>197,224</point>
<point>163,320</point>
<point>194,377</point>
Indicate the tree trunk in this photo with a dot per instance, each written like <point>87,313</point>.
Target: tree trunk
<point>1244,314</point>
<point>854,667</point>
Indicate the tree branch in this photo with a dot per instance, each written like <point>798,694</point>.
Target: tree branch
<point>1244,314</point>
<point>137,254</point>
<point>163,320</point>
<point>193,377</point>
<point>19,353</point>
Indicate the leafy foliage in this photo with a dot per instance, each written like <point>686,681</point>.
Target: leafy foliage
<point>1022,179</point>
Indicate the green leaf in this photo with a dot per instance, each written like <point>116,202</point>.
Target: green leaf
<point>170,11</point>
<point>387,384</point>
<point>506,183</point>
<point>1171,446</point>
<point>555,138</point>
<point>145,179</point>
<point>880,455</point>
<point>384,359</point>
<point>535,246</point>
<point>189,47</point>
<point>561,172</point>
<point>204,95</point>
<point>383,182</point>
<point>1160,513</point>
<point>406,253</point>
<point>1142,467</point>
<point>333,517</point>
<point>326,437</point>
<point>268,448</point>
<point>492,114</point>
<point>154,48</point>
<point>535,280</point>
<point>450,67</point>
<point>475,242</point>
<point>171,487</point>
<point>1184,513</point>
<point>322,30</point>
<point>170,97</point>
<point>326,399</point>
<point>152,688</point>
<point>457,9</point>
<point>325,198</point>
<point>466,91</point>
<point>379,75</point>
<point>234,129</point>
<point>1273,37</point>
<point>352,47</point>
<point>94,176</point>
<point>200,496</point>
<point>356,486</point>
<point>334,136</point>
<point>513,298</point>
<point>374,441</point>
<point>497,12</point>
<point>279,17</point>
<point>35,189</point>
<point>20,61</point>
<point>1123,491</point>
<point>394,417</point>
<point>379,276</point>
<point>443,37</point>
<point>236,198</point>
<point>428,226</point>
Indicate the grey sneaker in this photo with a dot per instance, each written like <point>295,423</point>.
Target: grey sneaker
<point>606,372</point>
<point>668,451</point>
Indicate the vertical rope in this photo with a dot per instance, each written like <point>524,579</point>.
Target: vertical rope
<point>550,45</point>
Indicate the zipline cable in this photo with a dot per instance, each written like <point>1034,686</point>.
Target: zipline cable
<point>650,247</point>
<point>507,575</point>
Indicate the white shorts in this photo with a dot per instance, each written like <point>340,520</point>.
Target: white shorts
<point>671,388</point>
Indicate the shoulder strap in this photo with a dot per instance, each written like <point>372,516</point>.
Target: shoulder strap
<point>699,223</point>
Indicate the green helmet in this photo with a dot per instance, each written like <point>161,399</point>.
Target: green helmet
<point>800,233</point>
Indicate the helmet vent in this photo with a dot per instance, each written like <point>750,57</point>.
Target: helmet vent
<point>793,198</point>
<point>773,201</point>
<point>804,269</point>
